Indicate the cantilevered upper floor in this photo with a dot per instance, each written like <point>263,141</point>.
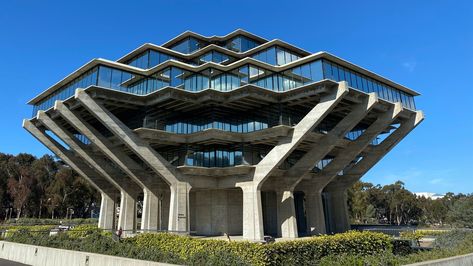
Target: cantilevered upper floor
<point>195,63</point>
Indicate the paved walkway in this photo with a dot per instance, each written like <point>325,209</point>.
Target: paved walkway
<point>10,263</point>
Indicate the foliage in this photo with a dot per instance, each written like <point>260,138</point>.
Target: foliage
<point>40,187</point>
<point>419,234</point>
<point>394,204</point>
<point>190,251</point>
<point>447,244</point>
<point>37,221</point>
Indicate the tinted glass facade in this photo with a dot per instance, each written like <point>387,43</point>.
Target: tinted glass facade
<point>149,59</point>
<point>276,56</point>
<point>241,44</point>
<point>187,46</point>
<point>211,78</point>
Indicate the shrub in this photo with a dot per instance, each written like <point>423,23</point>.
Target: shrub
<point>36,221</point>
<point>418,234</point>
<point>176,249</point>
<point>83,230</point>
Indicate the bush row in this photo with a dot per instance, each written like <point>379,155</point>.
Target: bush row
<point>418,234</point>
<point>448,244</point>
<point>176,249</point>
<point>37,221</point>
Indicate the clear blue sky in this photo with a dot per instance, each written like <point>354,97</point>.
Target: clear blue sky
<point>424,45</point>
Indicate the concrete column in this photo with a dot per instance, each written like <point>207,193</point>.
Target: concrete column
<point>287,223</point>
<point>315,213</point>
<point>127,215</point>
<point>107,212</point>
<point>339,210</point>
<point>149,218</point>
<point>252,212</point>
<point>179,208</point>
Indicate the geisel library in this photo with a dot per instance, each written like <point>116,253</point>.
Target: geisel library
<point>218,135</point>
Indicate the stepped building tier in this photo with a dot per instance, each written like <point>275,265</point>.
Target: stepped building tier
<point>218,135</point>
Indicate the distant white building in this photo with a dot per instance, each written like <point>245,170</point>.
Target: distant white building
<point>430,195</point>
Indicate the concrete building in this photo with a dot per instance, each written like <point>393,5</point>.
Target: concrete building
<point>225,134</point>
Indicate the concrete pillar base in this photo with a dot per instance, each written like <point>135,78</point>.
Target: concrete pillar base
<point>315,213</point>
<point>127,216</point>
<point>339,210</point>
<point>107,213</point>
<point>287,223</point>
<point>252,212</point>
<point>149,219</point>
<point>179,208</point>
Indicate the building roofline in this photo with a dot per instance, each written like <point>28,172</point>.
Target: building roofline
<point>212,47</point>
<point>230,35</point>
<point>246,60</point>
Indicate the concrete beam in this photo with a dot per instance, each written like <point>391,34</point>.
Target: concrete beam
<point>70,159</point>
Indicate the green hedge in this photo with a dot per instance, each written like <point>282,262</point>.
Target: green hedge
<point>418,234</point>
<point>448,244</point>
<point>190,251</point>
<point>37,221</point>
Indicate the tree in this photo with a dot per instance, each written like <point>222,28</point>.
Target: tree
<point>461,213</point>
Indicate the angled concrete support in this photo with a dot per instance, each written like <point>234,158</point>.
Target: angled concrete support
<point>178,212</point>
<point>179,208</point>
<point>252,212</point>
<point>287,144</point>
<point>355,147</point>
<point>337,189</point>
<point>125,163</point>
<point>127,216</point>
<point>160,165</point>
<point>149,218</point>
<point>315,212</point>
<point>375,153</point>
<point>328,142</point>
<point>107,212</point>
<point>110,174</point>
<point>287,223</point>
<point>74,162</point>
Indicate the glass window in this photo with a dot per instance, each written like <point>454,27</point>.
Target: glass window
<point>105,76</point>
